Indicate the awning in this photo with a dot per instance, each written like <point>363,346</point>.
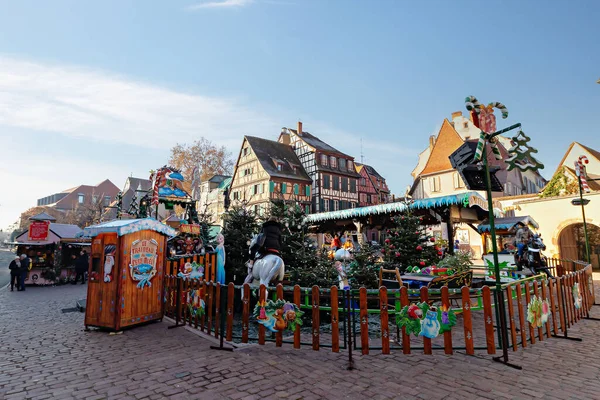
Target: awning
<point>508,224</point>
<point>466,200</point>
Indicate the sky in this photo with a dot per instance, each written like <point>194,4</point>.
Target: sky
<point>91,90</point>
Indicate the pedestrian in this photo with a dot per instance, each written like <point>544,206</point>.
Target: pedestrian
<point>24,270</point>
<point>14,266</point>
<point>81,266</point>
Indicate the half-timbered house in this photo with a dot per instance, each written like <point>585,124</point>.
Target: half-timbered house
<point>333,175</point>
<point>267,170</point>
<point>372,188</point>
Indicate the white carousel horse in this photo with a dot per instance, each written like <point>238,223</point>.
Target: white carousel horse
<point>265,269</point>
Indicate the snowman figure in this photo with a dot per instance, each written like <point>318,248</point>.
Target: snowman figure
<point>430,326</point>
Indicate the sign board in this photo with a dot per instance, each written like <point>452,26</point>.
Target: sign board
<point>144,255</point>
<point>193,229</point>
<point>473,174</point>
<point>38,231</point>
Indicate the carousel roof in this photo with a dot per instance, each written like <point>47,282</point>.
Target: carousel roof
<point>508,223</point>
<point>125,226</point>
<point>465,199</point>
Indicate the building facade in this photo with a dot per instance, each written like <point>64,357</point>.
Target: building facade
<point>267,170</point>
<point>70,199</point>
<point>333,174</point>
<point>213,197</point>
<point>372,187</point>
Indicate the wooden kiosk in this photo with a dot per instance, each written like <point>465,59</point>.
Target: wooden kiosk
<point>126,272</point>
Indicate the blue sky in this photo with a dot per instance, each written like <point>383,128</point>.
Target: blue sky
<point>102,89</point>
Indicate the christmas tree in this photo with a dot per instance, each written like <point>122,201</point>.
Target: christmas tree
<point>204,218</point>
<point>240,224</point>
<point>408,244</point>
<point>521,155</point>
<point>304,265</point>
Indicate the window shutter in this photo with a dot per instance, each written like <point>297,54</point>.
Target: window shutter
<point>307,189</point>
<point>331,206</point>
<point>283,187</point>
<point>296,189</point>
<point>271,186</point>
<point>307,209</point>
<point>321,205</point>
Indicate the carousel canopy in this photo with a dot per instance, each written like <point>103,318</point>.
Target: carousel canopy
<point>125,226</point>
<point>508,224</point>
<point>463,199</point>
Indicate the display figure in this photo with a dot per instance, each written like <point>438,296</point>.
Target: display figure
<point>109,261</point>
<point>220,259</point>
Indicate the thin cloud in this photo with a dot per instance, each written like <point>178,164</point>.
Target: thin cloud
<point>220,4</point>
<point>99,106</point>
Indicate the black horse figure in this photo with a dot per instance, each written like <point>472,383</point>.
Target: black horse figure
<point>533,258</point>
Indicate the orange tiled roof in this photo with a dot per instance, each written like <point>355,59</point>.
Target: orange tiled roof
<point>448,140</point>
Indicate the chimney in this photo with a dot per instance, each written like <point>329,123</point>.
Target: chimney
<point>299,128</point>
<point>431,141</point>
<point>456,114</point>
<point>284,137</point>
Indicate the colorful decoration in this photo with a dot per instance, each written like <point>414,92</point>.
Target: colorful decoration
<point>191,270</point>
<point>577,300</point>
<point>520,155</point>
<point>538,312</point>
<point>278,315</point>
<point>109,261</point>
<point>220,259</point>
<point>195,302</point>
<point>581,172</point>
<point>423,320</point>
<point>483,118</point>
<point>144,255</point>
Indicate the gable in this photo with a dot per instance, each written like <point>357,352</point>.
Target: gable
<point>574,152</point>
<point>448,140</point>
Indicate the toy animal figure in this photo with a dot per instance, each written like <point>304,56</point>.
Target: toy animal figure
<point>280,323</point>
<point>220,259</point>
<point>266,268</point>
<point>430,326</point>
<point>109,262</point>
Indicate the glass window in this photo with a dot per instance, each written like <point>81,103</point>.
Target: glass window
<point>333,162</point>
<point>80,198</point>
<point>342,164</point>
<point>336,205</point>
<point>326,181</point>
<point>336,182</point>
<point>352,185</point>
<point>344,184</point>
<point>350,164</point>
<point>324,159</point>
<point>106,201</point>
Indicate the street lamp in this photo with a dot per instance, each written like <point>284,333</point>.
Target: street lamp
<point>583,202</point>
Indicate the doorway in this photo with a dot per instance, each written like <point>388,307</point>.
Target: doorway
<point>571,243</point>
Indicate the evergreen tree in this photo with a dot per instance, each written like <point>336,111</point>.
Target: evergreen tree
<point>363,270</point>
<point>204,218</point>
<point>304,265</point>
<point>240,224</point>
<point>408,244</point>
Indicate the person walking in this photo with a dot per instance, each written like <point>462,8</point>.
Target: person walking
<point>81,266</point>
<point>24,270</point>
<point>14,266</point>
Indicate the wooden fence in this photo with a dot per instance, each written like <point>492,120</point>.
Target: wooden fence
<point>365,320</point>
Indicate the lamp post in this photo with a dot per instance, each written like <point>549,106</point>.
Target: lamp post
<point>585,232</point>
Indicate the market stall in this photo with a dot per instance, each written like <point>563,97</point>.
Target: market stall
<point>506,229</point>
<point>51,248</point>
<point>126,272</point>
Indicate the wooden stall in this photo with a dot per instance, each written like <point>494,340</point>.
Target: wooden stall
<point>126,272</point>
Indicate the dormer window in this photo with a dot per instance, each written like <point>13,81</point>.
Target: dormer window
<point>324,160</point>
<point>279,166</point>
<point>333,162</point>
<point>350,165</point>
<point>343,164</point>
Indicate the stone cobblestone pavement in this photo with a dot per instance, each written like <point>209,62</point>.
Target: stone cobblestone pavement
<point>45,354</point>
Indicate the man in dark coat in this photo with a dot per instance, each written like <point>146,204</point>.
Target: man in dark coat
<point>24,270</point>
<point>81,266</point>
<point>15,271</point>
<point>272,231</point>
